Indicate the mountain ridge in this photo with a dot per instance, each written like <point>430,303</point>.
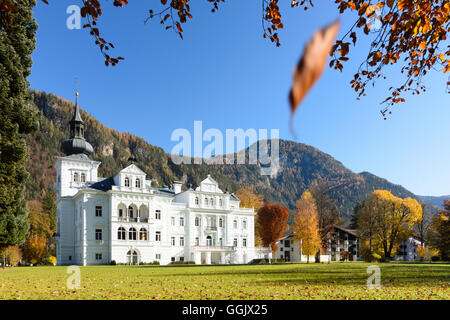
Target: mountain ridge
<point>300,164</point>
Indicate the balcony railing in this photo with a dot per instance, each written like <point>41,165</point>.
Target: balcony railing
<point>127,219</point>
<point>212,247</point>
<point>211,228</point>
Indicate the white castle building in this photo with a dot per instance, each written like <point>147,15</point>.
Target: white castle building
<point>125,219</point>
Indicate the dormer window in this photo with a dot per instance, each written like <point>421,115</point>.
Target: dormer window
<point>138,183</point>
<point>127,182</point>
<point>76,177</point>
<point>83,177</point>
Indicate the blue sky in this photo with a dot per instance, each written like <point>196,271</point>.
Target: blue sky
<point>226,75</point>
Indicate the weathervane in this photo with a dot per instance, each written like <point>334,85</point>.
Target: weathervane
<point>77,83</point>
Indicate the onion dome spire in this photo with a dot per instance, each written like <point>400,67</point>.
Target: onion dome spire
<point>76,143</point>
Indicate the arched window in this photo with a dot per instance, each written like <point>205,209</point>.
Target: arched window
<point>83,177</point>
<point>197,221</point>
<point>235,224</point>
<point>212,202</point>
<point>206,201</point>
<point>221,202</point>
<point>220,223</point>
<point>244,224</point>
<point>209,241</point>
<point>138,183</point>
<point>132,234</point>
<point>143,234</point>
<point>121,234</point>
<point>132,257</point>
<point>130,212</point>
<point>127,182</point>
<point>196,201</point>
<point>76,177</point>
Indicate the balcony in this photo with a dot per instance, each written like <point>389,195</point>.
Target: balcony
<point>211,228</point>
<point>213,248</point>
<point>126,219</point>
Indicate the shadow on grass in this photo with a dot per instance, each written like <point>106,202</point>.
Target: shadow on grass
<point>395,274</point>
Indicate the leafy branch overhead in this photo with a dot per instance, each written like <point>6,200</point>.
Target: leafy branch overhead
<point>410,31</point>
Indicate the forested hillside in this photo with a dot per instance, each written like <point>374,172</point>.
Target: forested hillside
<point>300,164</point>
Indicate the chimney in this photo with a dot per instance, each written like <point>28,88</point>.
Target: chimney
<point>177,186</point>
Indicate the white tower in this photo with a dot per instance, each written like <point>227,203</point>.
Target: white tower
<point>75,170</point>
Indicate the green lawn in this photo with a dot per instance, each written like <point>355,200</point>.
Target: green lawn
<point>283,281</point>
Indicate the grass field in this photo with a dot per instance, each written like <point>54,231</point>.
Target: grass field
<point>283,281</point>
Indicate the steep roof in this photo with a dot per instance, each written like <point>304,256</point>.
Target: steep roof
<point>103,185</point>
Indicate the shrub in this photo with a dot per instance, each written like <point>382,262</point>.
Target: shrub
<point>190,262</point>
<point>345,255</point>
<point>113,262</point>
<point>376,256</point>
<point>156,263</point>
<point>177,262</point>
<point>259,261</point>
<point>52,260</point>
<point>435,258</point>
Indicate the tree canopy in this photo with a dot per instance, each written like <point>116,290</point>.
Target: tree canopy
<point>306,225</point>
<point>386,220</point>
<point>273,221</point>
<point>17,42</point>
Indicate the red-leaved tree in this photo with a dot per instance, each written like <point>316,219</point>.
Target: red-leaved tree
<point>272,219</point>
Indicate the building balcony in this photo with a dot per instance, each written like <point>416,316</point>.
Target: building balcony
<point>211,228</point>
<point>126,219</point>
<point>213,248</point>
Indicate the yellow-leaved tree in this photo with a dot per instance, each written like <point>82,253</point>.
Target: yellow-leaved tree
<point>251,200</point>
<point>306,225</point>
<point>386,220</point>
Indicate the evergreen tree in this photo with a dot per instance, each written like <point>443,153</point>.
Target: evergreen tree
<point>17,42</point>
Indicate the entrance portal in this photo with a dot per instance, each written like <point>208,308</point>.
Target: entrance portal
<point>132,257</point>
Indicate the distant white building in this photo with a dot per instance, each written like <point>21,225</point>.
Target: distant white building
<point>123,218</point>
<point>408,249</point>
<point>342,246</point>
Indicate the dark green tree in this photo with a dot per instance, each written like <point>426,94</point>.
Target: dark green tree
<point>326,209</point>
<point>17,42</point>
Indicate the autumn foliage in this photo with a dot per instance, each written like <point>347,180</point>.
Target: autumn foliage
<point>272,219</point>
<point>35,248</point>
<point>251,200</point>
<point>439,233</point>
<point>386,220</point>
<point>306,225</point>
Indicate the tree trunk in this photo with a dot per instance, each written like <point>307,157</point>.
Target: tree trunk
<point>317,257</point>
